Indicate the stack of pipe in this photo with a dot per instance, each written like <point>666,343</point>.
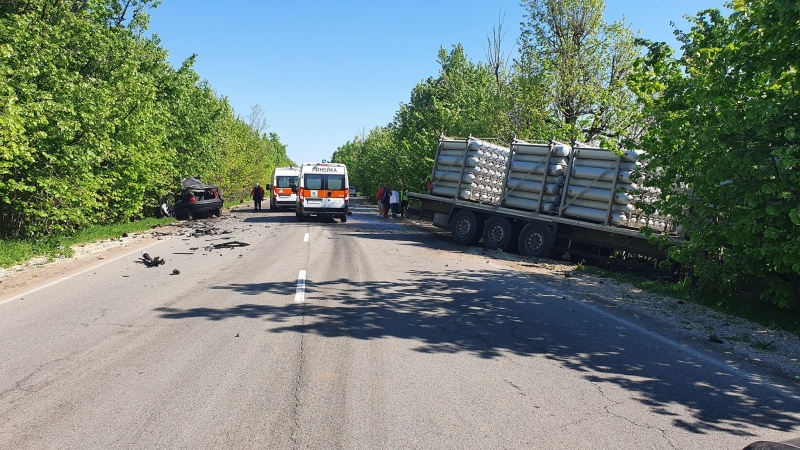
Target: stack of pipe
<point>599,178</point>
<point>484,166</point>
<point>536,177</point>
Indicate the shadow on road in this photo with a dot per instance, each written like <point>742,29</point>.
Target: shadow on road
<point>492,313</point>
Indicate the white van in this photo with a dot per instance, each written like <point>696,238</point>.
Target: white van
<point>281,194</point>
<point>324,191</point>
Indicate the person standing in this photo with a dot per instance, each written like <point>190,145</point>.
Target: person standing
<point>387,194</point>
<point>403,200</point>
<point>379,198</point>
<point>394,202</point>
<point>258,194</point>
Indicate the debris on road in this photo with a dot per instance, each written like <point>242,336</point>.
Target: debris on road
<point>231,244</point>
<point>149,261</point>
<point>176,272</point>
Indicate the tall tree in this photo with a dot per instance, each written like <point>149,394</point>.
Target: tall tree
<point>574,64</point>
<point>727,144</point>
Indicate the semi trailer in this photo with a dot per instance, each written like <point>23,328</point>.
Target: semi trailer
<point>544,200</point>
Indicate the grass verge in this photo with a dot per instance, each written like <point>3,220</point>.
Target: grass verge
<point>18,251</point>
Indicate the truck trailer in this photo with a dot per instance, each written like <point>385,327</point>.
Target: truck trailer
<point>544,200</point>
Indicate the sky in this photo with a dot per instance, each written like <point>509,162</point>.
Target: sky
<point>323,72</point>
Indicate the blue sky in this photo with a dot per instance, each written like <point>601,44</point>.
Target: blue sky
<point>325,70</point>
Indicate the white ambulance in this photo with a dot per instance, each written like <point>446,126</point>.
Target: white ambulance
<point>324,191</point>
<point>281,194</point>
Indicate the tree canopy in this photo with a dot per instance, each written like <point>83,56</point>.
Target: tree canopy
<point>96,125</point>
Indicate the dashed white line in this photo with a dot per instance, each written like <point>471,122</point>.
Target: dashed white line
<point>299,295</point>
<point>305,239</point>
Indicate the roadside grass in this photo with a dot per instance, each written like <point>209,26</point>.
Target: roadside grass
<point>764,314</point>
<point>18,251</point>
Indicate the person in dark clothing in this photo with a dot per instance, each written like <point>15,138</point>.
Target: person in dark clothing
<point>258,195</point>
<point>387,195</point>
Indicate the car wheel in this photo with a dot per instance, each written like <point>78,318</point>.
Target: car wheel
<point>219,212</point>
<point>189,215</point>
<point>343,218</point>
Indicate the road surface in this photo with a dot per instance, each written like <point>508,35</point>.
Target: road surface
<point>360,335</point>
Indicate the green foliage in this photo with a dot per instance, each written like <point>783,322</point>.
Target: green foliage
<point>725,114</point>
<point>19,251</point>
<point>95,124</point>
<point>571,75</point>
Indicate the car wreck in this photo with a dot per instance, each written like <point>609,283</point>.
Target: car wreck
<point>198,200</point>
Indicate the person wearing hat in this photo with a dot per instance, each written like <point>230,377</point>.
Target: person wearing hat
<point>258,195</point>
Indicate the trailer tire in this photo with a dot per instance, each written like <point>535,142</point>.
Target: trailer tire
<point>535,239</point>
<point>497,233</point>
<point>465,228</point>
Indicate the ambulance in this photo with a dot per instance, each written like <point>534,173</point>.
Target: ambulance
<point>281,194</point>
<point>323,191</point>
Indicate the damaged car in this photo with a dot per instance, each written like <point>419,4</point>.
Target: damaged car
<point>198,200</point>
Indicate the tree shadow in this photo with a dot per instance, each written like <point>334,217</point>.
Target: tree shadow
<point>492,314</point>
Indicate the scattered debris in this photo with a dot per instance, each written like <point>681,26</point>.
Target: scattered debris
<point>148,261</point>
<point>124,234</point>
<point>231,244</point>
<point>176,272</point>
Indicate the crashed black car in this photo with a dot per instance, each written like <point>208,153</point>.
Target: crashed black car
<point>198,200</point>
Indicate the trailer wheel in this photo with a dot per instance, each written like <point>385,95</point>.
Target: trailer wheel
<point>464,228</point>
<point>497,233</point>
<point>535,239</point>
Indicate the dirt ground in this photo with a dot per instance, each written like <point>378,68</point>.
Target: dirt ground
<point>776,351</point>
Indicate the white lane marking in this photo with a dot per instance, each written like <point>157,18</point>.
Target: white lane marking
<point>305,239</point>
<point>59,280</point>
<point>299,295</point>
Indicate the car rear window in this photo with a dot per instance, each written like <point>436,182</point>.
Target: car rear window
<point>285,181</point>
<point>324,181</point>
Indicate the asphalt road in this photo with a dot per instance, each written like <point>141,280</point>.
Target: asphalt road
<point>396,339</point>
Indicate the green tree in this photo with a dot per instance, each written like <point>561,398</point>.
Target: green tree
<point>571,74</point>
<point>726,143</point>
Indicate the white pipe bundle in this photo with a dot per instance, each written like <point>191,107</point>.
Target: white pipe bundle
<point>449,192</point>
<point>453,176</point>
<point>483,170</point>
<point>616,218</point>
<point>601,195</point>
<point>525,148</point>
<point>627,209</point>
<point>597,173</point>
<point>536,168</point>
<point>456,161</point>
<point>527,204</point>
<point>517,184</point>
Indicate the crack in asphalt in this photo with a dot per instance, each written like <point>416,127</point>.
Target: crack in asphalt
<point>634,423</point>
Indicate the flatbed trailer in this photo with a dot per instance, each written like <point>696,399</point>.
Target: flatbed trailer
<point>531,232</point>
